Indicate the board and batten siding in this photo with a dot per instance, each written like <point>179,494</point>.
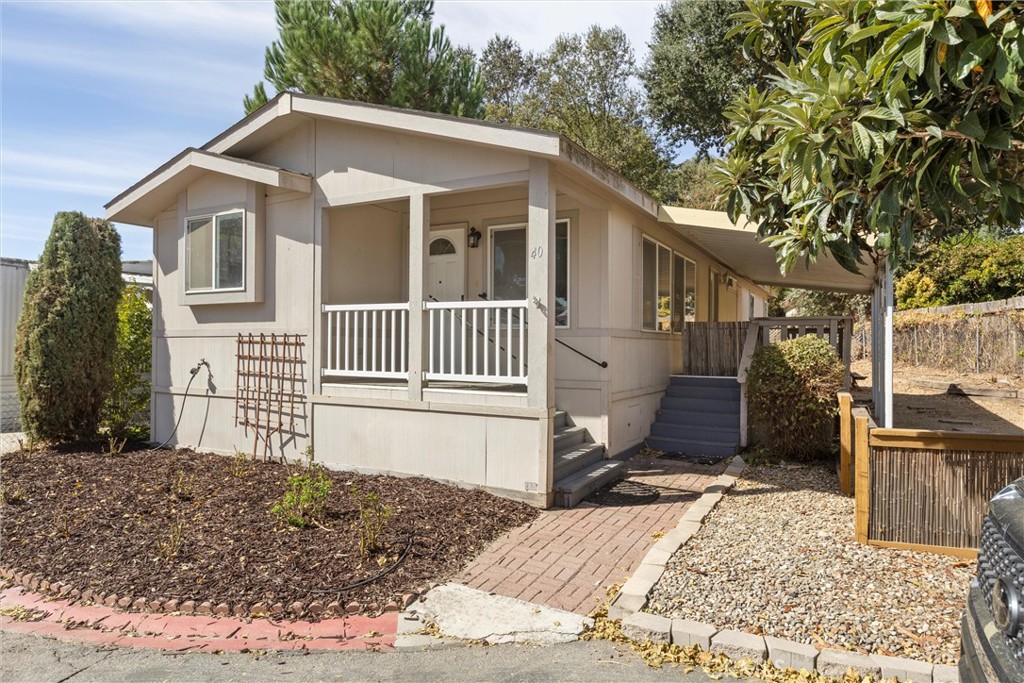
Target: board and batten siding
<point>184,334</point>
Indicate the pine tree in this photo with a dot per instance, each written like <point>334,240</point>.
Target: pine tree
<point>66,334</point>
<point>376,51</point>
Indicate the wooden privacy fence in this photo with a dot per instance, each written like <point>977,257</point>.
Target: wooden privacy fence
<point>922,489</point>
<point>713,349</point>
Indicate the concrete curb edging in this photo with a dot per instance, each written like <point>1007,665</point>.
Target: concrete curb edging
<point>638,625</point>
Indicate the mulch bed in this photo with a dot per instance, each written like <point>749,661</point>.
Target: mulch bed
<point>98,522</point>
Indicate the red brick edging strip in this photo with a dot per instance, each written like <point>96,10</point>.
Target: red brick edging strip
<point>106,626</point>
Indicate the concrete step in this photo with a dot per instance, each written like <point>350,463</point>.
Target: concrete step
<point>713,393</point>
<point>698,418</point>
<point>726,435</point>
<point>691,447</point>
<point>701,405</point>
<point>570,462</point>
<point>570,491</point>
<point>699,381</point>
<point>568,438</point>
<point>561,420</point>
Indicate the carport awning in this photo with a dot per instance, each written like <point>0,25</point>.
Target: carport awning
<point>740,249</point>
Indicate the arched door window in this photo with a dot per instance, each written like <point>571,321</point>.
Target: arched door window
<point>442,246</point>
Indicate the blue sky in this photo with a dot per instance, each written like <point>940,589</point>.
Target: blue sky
<point>95,95</point>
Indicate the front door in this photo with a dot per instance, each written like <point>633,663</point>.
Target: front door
<point>447,271</point>
<point>446,281</point>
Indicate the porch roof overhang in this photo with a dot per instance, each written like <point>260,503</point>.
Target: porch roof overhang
<point>739,247</point>
<point>154,193</point>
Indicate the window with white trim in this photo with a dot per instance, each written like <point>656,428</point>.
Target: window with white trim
<point>509,266</point>
<point>684,292</point>
<point>215,252</point>
<point>656,271</point>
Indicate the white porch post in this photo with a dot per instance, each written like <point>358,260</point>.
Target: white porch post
<point>419,235</point>
<point>540,285</point>
<point>540,292</point>
<point>881,344</point>
<point>888,294</point>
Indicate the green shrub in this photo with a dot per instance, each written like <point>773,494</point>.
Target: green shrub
<point>374,516</point>
<point>126,410</point>
<point>965,270</point>
<point>791,392</point>
<point>65,339</point>
<point>305,498</point>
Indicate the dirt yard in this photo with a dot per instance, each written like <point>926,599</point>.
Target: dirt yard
<point>193,526</point>
<point>920,400</point>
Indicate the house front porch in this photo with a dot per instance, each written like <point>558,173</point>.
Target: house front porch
<point>438,316</point>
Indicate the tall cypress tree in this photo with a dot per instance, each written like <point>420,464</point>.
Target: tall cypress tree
<point>67,331</point>
<point>376,51</point>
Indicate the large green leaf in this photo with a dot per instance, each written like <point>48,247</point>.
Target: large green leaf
<point>971,126</point>
<point>976,52</point>
<point>862,139</point>
<point>915,53</point>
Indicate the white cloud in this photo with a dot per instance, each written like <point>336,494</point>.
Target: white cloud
<point>84,165</point>
<point>185,80</point>
<point>225,22</point>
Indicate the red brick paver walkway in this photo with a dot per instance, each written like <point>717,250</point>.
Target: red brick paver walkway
<point>568,558</point>
<point>104,626</point>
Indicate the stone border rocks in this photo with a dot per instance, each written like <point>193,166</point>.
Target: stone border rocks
<point>737,645</point>
<point>314,609</point>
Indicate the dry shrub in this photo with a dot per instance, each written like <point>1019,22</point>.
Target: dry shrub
<point>792,389</point>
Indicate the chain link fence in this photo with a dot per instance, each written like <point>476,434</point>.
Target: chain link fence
<point>989,343</point>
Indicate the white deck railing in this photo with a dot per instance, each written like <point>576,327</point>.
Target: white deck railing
<point>477,341</point>
<point>367,340</point>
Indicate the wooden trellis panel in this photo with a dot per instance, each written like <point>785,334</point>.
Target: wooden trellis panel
<point>268,385</point>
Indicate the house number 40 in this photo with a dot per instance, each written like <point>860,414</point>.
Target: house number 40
<point>537,252</point>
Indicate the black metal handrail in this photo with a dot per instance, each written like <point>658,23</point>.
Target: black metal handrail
<point>599,363</point>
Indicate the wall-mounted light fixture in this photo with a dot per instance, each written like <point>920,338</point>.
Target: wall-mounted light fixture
<point>474,238</point>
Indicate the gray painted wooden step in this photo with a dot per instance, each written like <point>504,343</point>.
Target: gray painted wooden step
<point>725,435</point>
<point>701,405</point>
<point>715,393</point>
<point>569,492</point>
<point>698,419</point>
<point>691,447</point>
<point>568,438</point>
<point>568,463</point>
<point>700,381</point>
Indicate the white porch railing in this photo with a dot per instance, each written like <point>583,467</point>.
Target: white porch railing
<point>477,341</point>
<point>367,340</point>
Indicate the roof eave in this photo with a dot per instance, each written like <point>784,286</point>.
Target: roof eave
<point>129,206</point>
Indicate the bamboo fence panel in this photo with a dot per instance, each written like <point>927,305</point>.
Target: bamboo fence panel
<point>935,498</point>
<point>714,349</point>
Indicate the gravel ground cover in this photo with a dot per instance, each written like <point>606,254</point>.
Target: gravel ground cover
<point>105,523</point>
<point>777,557</point>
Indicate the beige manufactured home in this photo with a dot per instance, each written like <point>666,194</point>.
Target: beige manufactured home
<point>462,301</point>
